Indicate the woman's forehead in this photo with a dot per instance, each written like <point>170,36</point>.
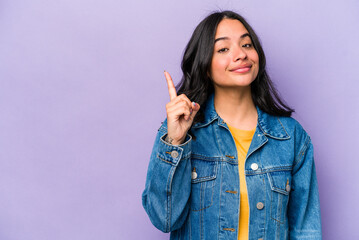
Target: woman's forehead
<point>230,28</point>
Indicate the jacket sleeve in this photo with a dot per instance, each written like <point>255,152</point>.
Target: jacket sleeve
<point>303,209</point>
<point>168,182</point>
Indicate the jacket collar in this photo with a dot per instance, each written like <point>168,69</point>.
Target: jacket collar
<point>270,125</point>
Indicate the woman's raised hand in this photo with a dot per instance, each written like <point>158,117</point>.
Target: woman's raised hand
<point>180,114</point>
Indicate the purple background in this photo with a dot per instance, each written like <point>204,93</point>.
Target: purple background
<point>82,94</point>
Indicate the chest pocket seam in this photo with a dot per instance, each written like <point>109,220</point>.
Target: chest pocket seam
<point>280,182</point>
<point>203,185</point>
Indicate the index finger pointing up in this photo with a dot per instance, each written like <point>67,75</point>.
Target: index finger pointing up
<point>171,86</point>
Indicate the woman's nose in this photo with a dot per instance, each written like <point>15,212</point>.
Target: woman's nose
<point>239,54</point>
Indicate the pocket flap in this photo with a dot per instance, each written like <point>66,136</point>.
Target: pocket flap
<point>204,170</point>
<point>280,181</point>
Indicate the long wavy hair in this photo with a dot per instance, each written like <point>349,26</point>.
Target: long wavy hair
<point>196,64</point>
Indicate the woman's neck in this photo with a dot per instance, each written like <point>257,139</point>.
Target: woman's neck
<point>236,107</point>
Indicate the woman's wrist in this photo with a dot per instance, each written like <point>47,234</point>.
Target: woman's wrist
<point>171,141</point>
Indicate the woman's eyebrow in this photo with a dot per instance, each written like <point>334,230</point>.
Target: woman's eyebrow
<point>227,38</point>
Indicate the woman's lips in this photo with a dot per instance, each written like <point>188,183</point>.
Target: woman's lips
<point>242,70</point>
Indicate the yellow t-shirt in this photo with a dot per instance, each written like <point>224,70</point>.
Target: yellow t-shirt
<point>243,139</point>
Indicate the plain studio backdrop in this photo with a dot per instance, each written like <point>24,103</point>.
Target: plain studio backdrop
<point>82,94</point>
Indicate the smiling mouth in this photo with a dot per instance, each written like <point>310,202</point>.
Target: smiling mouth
<point>241,70</point>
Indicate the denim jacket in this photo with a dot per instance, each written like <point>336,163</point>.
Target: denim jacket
<point>192,190</point>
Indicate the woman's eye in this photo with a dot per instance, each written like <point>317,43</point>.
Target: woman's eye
<point>223,50</point>
<point>248,45</point>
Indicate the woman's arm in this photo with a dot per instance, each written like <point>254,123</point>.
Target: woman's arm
<point>304,210</point>
<point>168,183</point>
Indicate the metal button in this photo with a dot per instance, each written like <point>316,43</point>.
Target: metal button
<point>174,154</point>
<point>254,166</point>
<point>260,205</point>
<point>194,175</point>
<point>287,188</point>
<point>260,238</point>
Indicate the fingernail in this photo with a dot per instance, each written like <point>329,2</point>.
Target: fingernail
<point>194,104</point>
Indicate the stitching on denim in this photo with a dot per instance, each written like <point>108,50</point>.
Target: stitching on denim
<point>206,124</point>
<point>205,158</point>
<point>218,141</point>
<point>172,163</point>
<point>272,199</point>
<point>301,152</point>
<point>280,210</point>
<point>201,209</point>
<point>190,225</point>
<point>264,171</point>
<point>165,160</point>
<point>248,154</point>
<point>220,198</point>
<point>178,146</point>
<point>274,137</point>
<point>279,190</point>
<point>202,203</point>
<point>212,192</point>
<point>277,232</point>
<point>282,197</point>
<point>167,209</point>
<point>229,191</point>
<point>278,138</point>
<point>229,229</point>
<point>265,202</point>
<point>271,210</point>
<point>283,127</point>
<point>208,178</point>
<point>167,217</point>
<point>271,205</point>
<point>260,126</point>
<point>162,128</point>
<point>204,179</point>
<point>201,213</point>
<point>169,196</point>
<point>232,162</point>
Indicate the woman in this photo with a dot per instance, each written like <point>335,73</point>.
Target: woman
<point>229,162</point>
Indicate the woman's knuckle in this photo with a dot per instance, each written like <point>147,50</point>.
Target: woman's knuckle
<point>180,104</point>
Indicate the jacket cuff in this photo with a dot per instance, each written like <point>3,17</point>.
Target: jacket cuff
<point>172,154</point>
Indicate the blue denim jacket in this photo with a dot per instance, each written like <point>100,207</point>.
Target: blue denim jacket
<point>192,190</point>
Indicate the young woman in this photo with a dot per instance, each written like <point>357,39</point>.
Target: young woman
<point>229,162</point>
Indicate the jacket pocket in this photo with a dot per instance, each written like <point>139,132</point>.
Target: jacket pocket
<point>280,183</point>
<point>204,174</point>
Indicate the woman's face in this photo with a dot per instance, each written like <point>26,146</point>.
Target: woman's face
<point>235,62</point>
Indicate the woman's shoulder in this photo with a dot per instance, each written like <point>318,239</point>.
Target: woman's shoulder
<point>282,125</point>
<point>291,124</point>
<point>295,130</point>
